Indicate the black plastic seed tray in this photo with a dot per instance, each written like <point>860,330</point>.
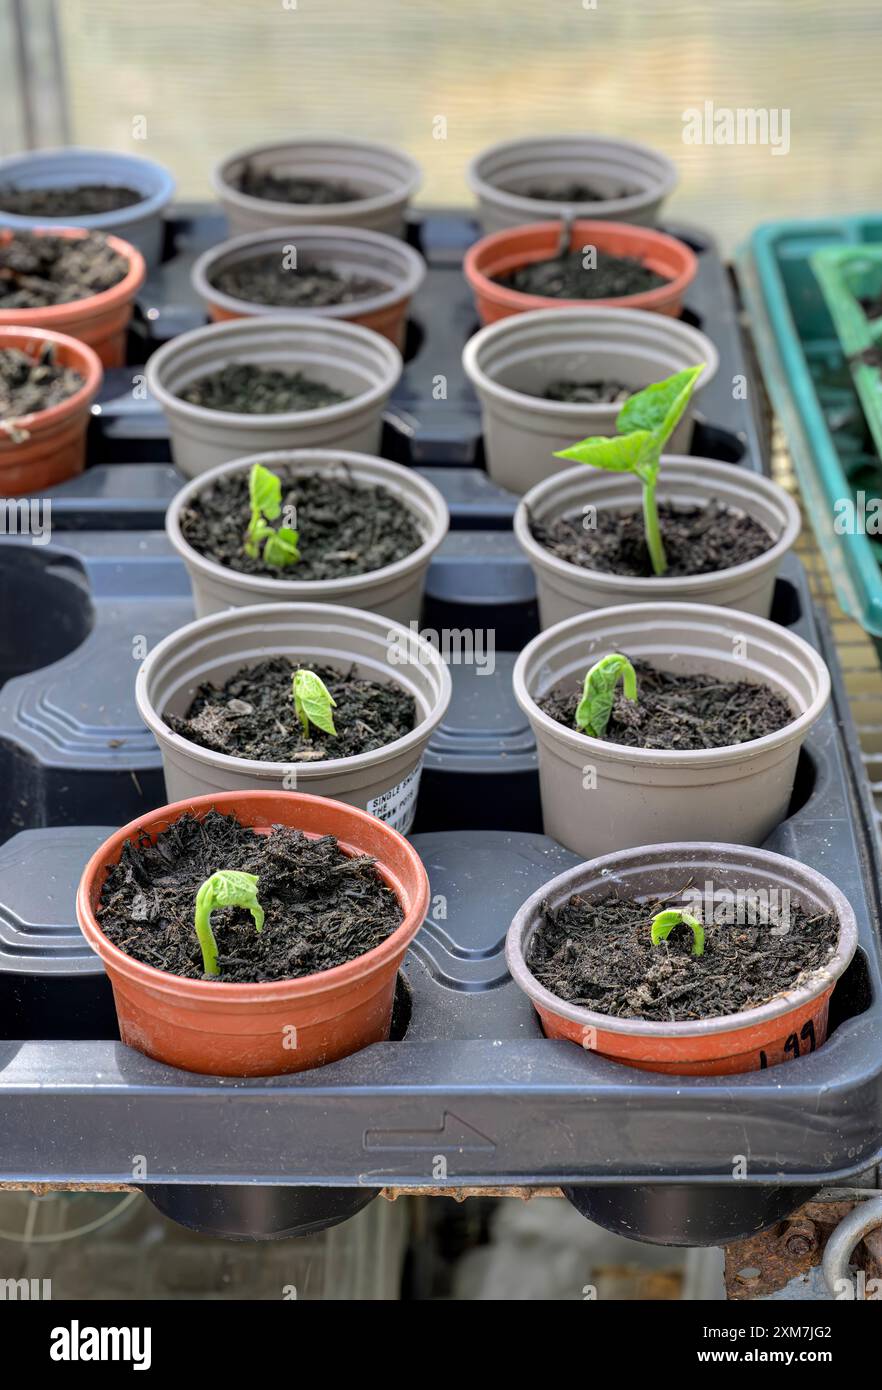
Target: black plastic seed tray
<point>468,1093</point>
<point>419,429</point>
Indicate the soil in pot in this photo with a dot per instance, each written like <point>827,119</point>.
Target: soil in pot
<point>252,715</point>
<point>264,279</point>
<point>38,271</point>
<point>566,277</point>
<point>599,954</point>
<point>586,392</point>
<point>344,527</point>
<point>250,389</point>
<point>81,200</point>
<point>292,188</point>
<point>29,385</point>
<point>681,712</point>
<point>697,540</point>
<point>574,192</point>
<point>322,908</point>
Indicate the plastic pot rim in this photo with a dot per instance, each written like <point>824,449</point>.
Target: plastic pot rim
<point>565,885</point>
<point>377,202</point>
<point>218,992</point>
<point>124,289</point>
<point>297,590</point>
<point>309,770</point>
<point>675,757</point>
<point>325,414</point>
<point>703,469</point>
<point>89,361</point>
<point>96,221</point>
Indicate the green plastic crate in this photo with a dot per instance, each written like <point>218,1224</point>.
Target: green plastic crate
<point>810,382</point>
<point>851,279</point>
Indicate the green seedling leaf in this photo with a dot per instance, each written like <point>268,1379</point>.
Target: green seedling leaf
<point>599,691</point>
<point>280,548</point>
<point>265,495</point>
<point>313,702</point>
<point>658,407</point>
<point>618,453</point>
<point>264,492</point>
<point>663,924</point>
<point>226,888</point>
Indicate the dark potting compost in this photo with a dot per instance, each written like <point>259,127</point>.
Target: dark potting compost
<point>344,527</point>
<point>293,188</point>
<point>29,385</point>
<point>80,200</point>
<point>587,392</point>
<point>574,192</point>
<point>566,277</point>
<point>252,715</point>
<point>697,540</point>
<point>264,279</point>
<point>681,712</point>
<point>38,271</point>
<point>250,389</point>
<point>599,954</point>
<point>322,907</point>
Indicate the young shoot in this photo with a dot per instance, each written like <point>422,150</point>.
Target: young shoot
<point>599,692</point>
<point>226,888</point>
<point>663,924</point>
<point>279,544</point>
<point>313,702</point>
<point>645,423</point>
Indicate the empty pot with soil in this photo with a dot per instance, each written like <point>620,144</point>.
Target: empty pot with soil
<point>293,183</point>
<point>100,190</point>
<point>333,272</point>
<point>329,700</point>
<point>709,746</point>
<point>366,532</point>
<point>608,263</point>
<point>253,933</point>
<point>725,531</point>
<point>552,376</point>
<point>48,382</point>
<point>543,176</point>
<point>291,382</point>
<point>746,988</point>
<point>71,281</point>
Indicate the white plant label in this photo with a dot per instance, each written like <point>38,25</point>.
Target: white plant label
<point>397,806</point>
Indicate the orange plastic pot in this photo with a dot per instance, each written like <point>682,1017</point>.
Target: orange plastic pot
<point>262,1029</point>
<point>102,320</point>
<point>791,1025</point>
<point>507,251</point>
<point>48,446</point>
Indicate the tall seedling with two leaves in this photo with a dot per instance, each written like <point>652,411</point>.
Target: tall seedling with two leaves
<point>279,544</point>
<point>645,423</point>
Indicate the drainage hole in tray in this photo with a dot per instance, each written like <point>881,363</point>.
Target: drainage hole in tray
<point>853,994</point>
<point>413,339</point>
<point>46,608</point>
<point>57,1008</point>
<point>712,442</point>
<point>804,782</point>
<point>402,1008</point>
<point>786,605</point>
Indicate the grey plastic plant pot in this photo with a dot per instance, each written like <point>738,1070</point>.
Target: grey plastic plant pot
<point>384,782</point>
<point>750,1040</point>
<point>348,250</point>
<point>599,796</point>
<point>353,360</point>
<point>501,176</point>
<point>511,363</point>
<point>565,590</point>
<point>140,224</point>
<point>396,590</point>
<point>386,178</point>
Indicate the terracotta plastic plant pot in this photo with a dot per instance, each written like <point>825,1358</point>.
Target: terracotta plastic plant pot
<point>49,446</point>
<point>349,251</point>
<point>140,223</point>
<point>396,590</point>
<point>246,1029</point>
<point>386,178</point>
<point>506,251</point>
<point>791,1024</point>
<point>384,782</point>
<point>102,320</point>
<point>501,177</point>
<point>361,364</point>
<point>565,590</point>
<point>512,362</point>
<point>599,796</point>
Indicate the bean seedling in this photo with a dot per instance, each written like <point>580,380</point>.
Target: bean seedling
<point>599,692</point>
<point>226,888</point>
<point>663,924</point>
<point>279,544</point>
<point>313,702</point>
<point>645,423</point>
